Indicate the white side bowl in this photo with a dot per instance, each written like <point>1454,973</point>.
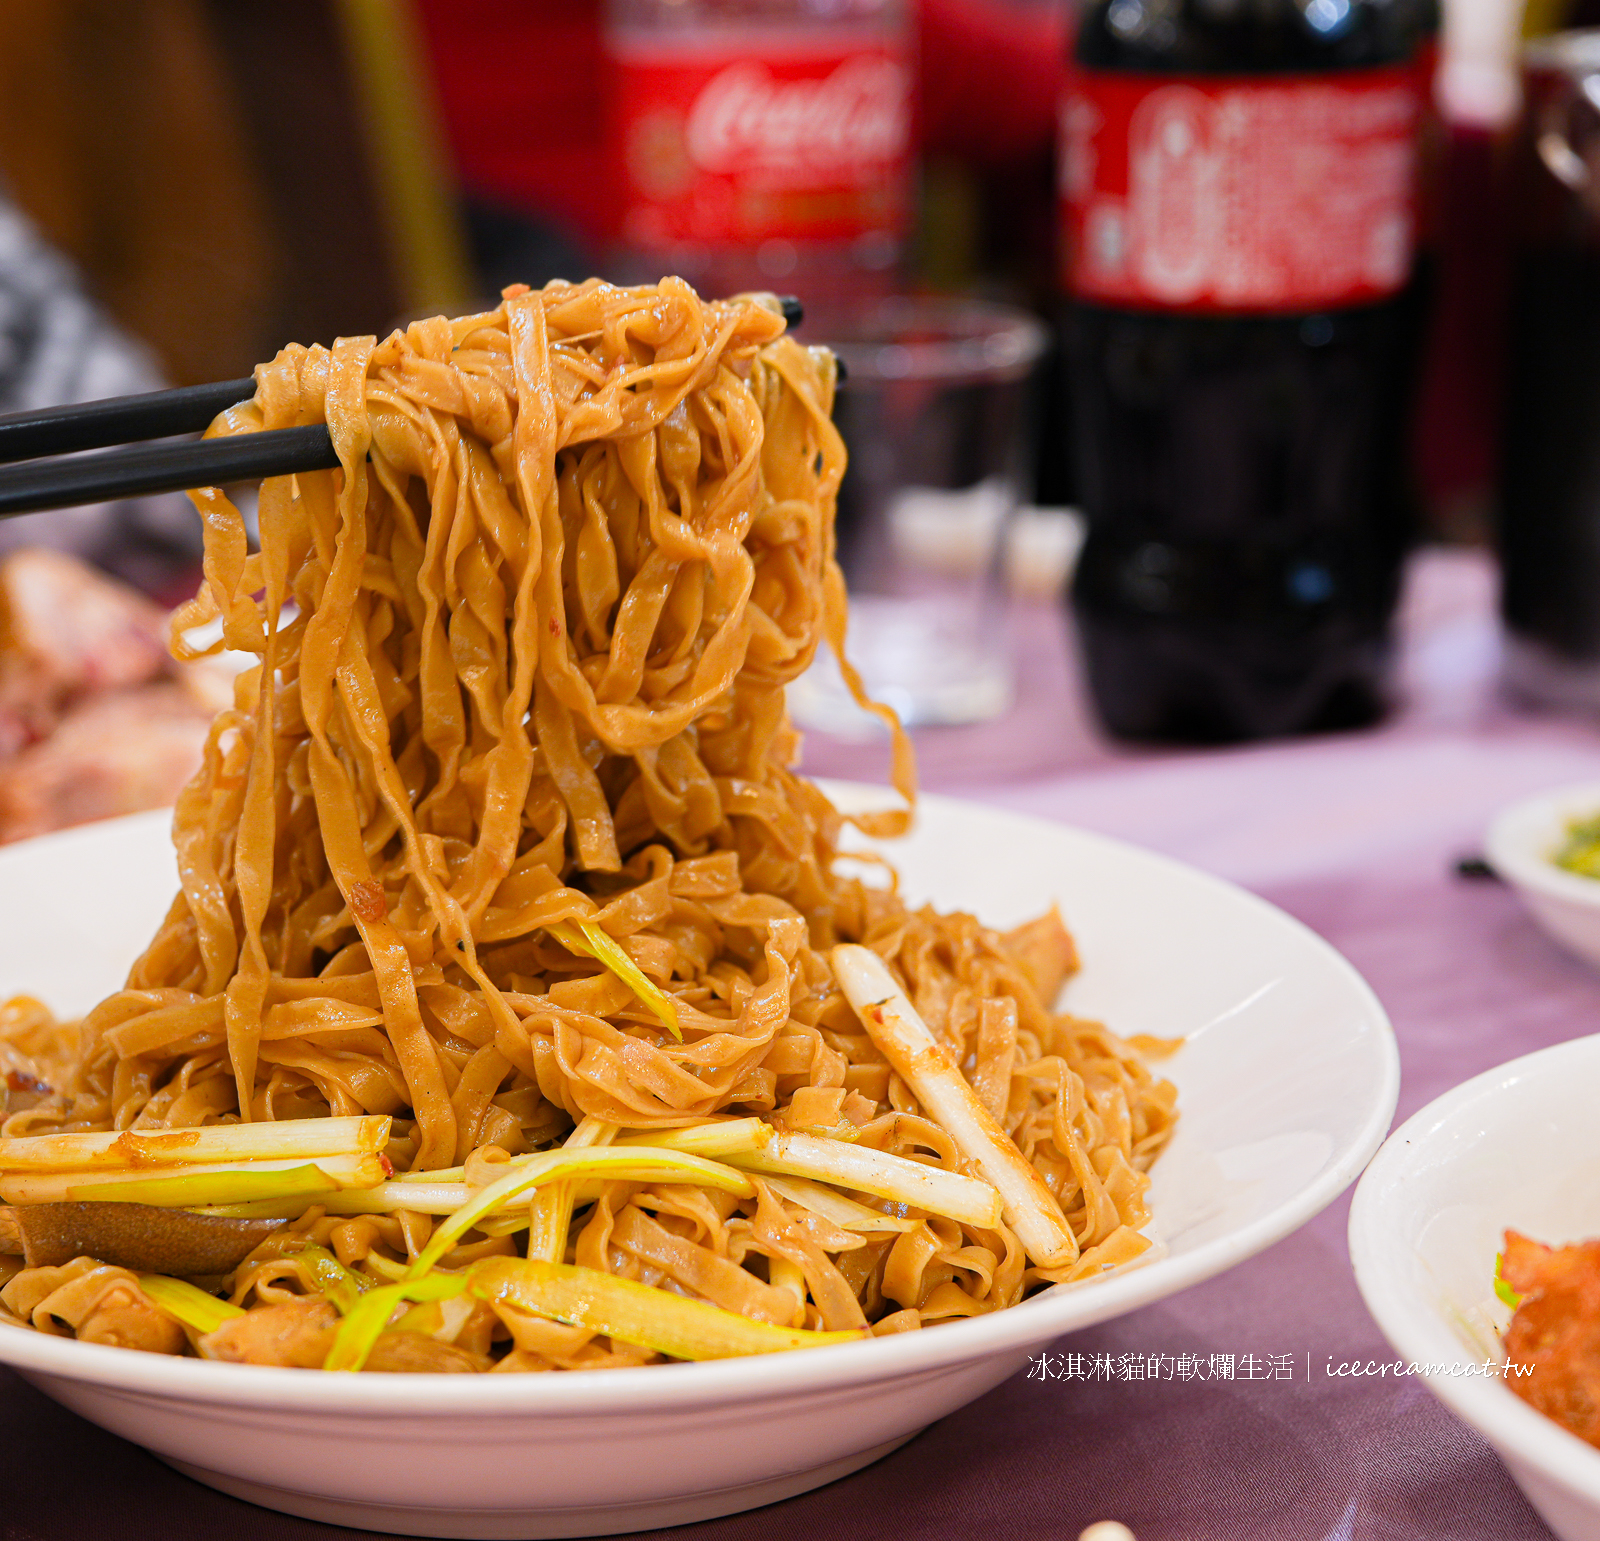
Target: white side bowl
<point>1287,1083</point>
<point>1518,1148</point>
<point>1520,845</point>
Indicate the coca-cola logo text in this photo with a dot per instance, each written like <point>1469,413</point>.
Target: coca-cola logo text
<point>1271,195</point>
<point>857,115</point>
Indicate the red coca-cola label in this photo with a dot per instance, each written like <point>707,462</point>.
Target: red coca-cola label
<point>763,137</point>
<point>1265,194</point>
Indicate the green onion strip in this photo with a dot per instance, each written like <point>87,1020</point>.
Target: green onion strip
<point>583,936</point>
<point>364,1323</point>
<point>633,1163</point>
<point>190,1304</point>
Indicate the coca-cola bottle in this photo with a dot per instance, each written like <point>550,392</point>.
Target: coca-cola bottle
<point>762,144</point>
<point>1238,200</point>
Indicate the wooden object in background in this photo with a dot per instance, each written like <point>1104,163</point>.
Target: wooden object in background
<point>120,137</point>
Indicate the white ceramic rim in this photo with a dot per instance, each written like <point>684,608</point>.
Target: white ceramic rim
<point>1413,1329</point>
<point>1513,843</point>
<point>1064,1308</point>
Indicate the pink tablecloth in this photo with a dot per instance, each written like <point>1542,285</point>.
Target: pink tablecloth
<point>1357,836</point>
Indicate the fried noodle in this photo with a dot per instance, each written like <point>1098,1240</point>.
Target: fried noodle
<point>522,661</point>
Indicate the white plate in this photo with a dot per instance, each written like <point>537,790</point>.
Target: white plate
<point>1520,845</point>
<point>1519,1148</point>
<point>1287,1083</point>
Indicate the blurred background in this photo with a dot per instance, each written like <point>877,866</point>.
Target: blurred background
<point>227,178</point>
<point>230,177</point>
<point>190,184</point>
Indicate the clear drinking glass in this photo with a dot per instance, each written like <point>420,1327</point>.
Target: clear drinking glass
<point>935,413</point>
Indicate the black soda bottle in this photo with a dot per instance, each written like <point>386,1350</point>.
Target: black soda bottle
<point>1239,203</point>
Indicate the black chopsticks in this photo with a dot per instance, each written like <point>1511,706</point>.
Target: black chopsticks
<point>140,470</point>
<point>121,420</point>
<point>150,468</point>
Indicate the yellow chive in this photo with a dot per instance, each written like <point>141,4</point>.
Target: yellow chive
<point>637,1162</point>
<point>584,937</point>
<point>636,1313</point>
<point>188,1302</point>
<point>199,1189</point>
<point>300,1139</point>
<point>364,1323</point>
<point>342,1286</point>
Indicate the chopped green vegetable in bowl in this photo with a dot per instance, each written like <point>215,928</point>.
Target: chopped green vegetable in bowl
<point>1580,851</point>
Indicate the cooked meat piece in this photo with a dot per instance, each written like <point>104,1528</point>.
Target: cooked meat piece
<point>297,1333</point>
<point>125,1317</point>
<point>65,631</point>
<point>1044,950</point>
<point>35,1054</point>
<point>403,1353</point>
<point>20,1086</point>
<point>461,1320</point>
<point>1556,1330</point>
<point>98,1301</point>
<point>114,753</point>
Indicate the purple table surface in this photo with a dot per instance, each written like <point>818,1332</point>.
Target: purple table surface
<point>1355,835</point>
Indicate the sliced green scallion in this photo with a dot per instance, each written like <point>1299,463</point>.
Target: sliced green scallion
<point>1503,1291</point>
<point>366,1320</point>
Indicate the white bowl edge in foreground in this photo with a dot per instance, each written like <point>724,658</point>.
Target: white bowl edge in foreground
<point>1517,1147</point>
<point>1287,1083</point>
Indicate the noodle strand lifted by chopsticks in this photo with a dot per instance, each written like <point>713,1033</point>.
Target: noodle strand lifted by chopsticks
<point>520,703</point>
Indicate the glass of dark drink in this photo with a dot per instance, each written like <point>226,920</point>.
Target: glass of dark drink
<point>1238,208</point>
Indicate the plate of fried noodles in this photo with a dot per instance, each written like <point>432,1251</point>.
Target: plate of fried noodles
<point>501,1004</point>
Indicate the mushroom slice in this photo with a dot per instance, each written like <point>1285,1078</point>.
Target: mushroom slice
<point>137,1236</point>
